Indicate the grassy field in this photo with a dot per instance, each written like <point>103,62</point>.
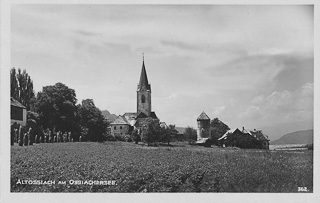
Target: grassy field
<point>138,168</point>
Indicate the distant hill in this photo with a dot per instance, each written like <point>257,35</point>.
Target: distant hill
<point>276,131</point>
<point>298,137</point>
<point>108,116</point>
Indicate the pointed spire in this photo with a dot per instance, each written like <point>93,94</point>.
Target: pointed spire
<point>203,116</point>
<point>143,77</point>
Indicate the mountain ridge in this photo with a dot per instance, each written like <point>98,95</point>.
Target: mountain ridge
<point>297,137</point>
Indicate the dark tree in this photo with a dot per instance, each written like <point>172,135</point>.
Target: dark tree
<point>152,132</point>
<point>218,128</point>
<point>168,133</point>
<point>92,120</point>
<point>21,87</point>
<point>56,106</point>
<point>135,136</point>
<point>191,134</point>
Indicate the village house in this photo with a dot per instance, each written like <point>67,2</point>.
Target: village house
<point>244,139</point>
<point>18,113</point>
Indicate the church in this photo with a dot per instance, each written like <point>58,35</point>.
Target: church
<point>125,124</point>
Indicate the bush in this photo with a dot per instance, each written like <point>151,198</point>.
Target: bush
<point>110,138</point>
<point>119,138</point>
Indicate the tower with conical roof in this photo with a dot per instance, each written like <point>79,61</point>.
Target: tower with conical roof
<point>203,126</point>
<point>144,93</point>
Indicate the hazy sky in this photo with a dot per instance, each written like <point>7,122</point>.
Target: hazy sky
<point>249,66</point>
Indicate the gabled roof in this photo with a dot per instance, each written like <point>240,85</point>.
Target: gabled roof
<point>246,131</point>
<point>141,115</point>
<point>224,136</point>
<point>260,136</point>
<point>153,115</point>
<point>130,114</point>
<point>144,79</point>
<point>120,120</point>
<point>16,103</point>
<point>203,116</point>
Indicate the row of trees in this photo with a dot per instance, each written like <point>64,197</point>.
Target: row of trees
<point>55,108</point>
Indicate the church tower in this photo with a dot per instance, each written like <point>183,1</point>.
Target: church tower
<point>144,93</point>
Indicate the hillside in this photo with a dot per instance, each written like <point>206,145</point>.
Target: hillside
<point>276,131</point>
<point>108,116</point>
<point>298,137</point>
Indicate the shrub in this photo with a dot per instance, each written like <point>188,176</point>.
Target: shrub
<point>119,137</point>
<point>110,138</point>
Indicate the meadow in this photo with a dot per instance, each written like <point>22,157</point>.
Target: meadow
<point>139,168</point>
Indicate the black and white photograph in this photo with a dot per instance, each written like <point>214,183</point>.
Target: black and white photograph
<point>203,100</point>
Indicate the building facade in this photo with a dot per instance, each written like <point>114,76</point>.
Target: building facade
<point>18,113</point>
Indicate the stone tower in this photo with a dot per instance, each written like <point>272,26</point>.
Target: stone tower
<point>203,126</point>
<point>144,93</point>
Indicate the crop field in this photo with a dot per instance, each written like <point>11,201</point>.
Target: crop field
<point>127,167</point>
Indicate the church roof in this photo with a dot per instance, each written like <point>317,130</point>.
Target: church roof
<point>120,120</point>
<point>203,116</point>
<point>143,115</point>
<point>144,79</point>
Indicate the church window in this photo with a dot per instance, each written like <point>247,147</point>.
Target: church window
<point>143,99</point>
<point>120,127</point>
<point>115,127</point>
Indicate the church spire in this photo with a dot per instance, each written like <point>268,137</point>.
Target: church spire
<point>143,77</point>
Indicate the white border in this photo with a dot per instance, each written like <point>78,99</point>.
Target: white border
<point>6,196</point>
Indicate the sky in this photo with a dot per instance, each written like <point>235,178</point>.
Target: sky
<point>247,65</point>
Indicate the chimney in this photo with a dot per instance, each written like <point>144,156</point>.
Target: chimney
<point>242,128</point>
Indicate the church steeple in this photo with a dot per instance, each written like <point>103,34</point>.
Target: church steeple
<point>144,93</point>
<point>143,78</point>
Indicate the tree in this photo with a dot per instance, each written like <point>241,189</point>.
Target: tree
<point>56,106</point>
<point>135,136</point>
<point>191,134</point>
<point>168,133</point>
<point>21,87</point>
<point>92,120</point>
<point>151,133</point>
<point>218,128</point>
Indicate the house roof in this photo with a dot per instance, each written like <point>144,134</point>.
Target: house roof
<point>256,134</point>
<point>144,79</point>
<point>143,115</point>
<point>180,130</point>
<point>202,140</point>
<point>203,116</point>
<point>246,131</point>
<point>260,136</point>
<point>224,136</point>
<point>16,103</point>
<point>153,115</point>
<point>120,120</point>
<point>130,114</point>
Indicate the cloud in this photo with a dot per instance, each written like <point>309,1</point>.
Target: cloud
<point>85,33</point>
<point>218,110</point>
<point>181,45</point>
<point>251,113</point>
<point>282,106</point>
